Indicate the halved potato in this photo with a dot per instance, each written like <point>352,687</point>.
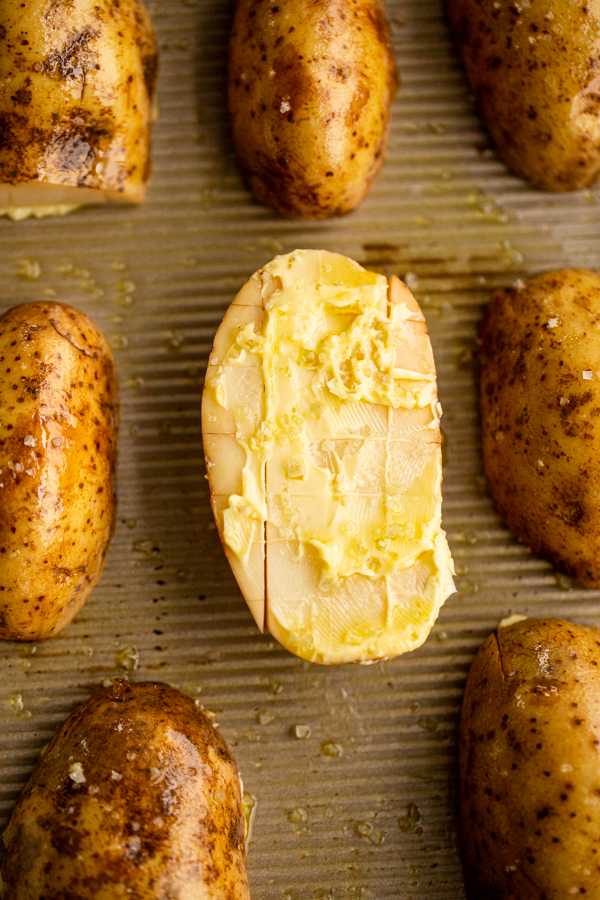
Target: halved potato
<point>77,79</point>
<point>321,435</point>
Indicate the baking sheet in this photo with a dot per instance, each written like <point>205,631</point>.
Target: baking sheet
<point>359,802</point>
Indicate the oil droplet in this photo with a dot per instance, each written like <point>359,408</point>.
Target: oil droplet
<point>146,547</point>
<point>428,723</point>
<point>127,658</point>
<point>263,717</point>
<point>249,804</point>
<point>136,382</point>
<point>301,732</point>
<point>376,838</point>
<point>464,358</point>
<point>411,281</point>
<point>126,290</point>
<point>18,705</point>
<point>29,270</point>
<point>466,537</point>
<point>411,819</point>
<point>330,748</point>
<point>363,829</point>
<point>563,581</point>
<point>174,342</point>
<point>468,588</point>
<point>119,342</point>
<point>298,815</point>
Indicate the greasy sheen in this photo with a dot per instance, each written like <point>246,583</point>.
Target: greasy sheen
<point>58,446</point>
<point>137,795</point>
<point>334,405</point>
<point>534,68</point>
<point>77,79</point>
<point>310,88</point>
<point>530,764</point>
<point>540,416</point>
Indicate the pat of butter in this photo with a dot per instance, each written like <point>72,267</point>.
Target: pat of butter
<point>323,466</point>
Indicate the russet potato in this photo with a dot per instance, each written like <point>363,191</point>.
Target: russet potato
<point>539,390</point>
<point>138,796</point>
<point>534,69</point>
<point>530,764</point>
<point>310,88</point>
<point>58,449</point>
<point>77,80</point>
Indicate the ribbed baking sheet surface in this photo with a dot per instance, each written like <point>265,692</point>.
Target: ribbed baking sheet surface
<point>364,807</point>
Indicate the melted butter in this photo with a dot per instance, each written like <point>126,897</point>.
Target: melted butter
<point>323,466</point>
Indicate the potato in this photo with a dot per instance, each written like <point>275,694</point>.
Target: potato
<point>58,447</point>
<point>321,434</point>
<point>78,79</point>
<point>540,416</point>
<point>530,764</point>
<point>137,795</point>
<point>310,88</point>
<point>534,70</point>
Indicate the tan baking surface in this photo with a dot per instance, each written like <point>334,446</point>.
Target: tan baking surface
<point>158,280</point>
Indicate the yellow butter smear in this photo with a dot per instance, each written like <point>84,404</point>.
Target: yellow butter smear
<point>344,456</point>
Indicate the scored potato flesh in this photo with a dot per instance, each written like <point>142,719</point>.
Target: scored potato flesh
<point>322,441</point>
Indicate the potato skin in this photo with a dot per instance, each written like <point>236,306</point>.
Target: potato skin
<point>159,814</point>
<point>58,449</point>
<point>77,79</point>
<point>540,418</point>
<point>530,764</point>
<point>534,70</point>
<point>310,87</point>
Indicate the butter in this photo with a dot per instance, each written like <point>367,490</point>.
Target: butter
<point>342,452</point>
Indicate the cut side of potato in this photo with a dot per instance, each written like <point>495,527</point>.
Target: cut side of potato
<point>39,200</point>
<point>76,103</point>
<point>322,442</point>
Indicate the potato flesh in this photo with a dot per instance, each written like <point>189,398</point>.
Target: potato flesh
<point>78,79</point>
<point>58,445</point>
<point>533,70</point>
<point>349,488</point>
<point>530,764</point>
<point>309,98</point>
<point>136,795</point>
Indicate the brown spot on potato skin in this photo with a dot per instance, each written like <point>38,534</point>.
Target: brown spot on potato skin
<point>535,83</point>
<point>535,670</point>
<point>76,105</point>
<point>173,834</point>
<point>54,533</point>
<point>326,108</point>
<point>531,383</point>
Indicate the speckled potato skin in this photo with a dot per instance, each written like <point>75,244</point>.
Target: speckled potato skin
<point>535,69</point>
<point>159,814</point>
<point>310,88</point>
<point>540,418</point>
<point>76,85</point>
<point>530,764</point>
<point>58,448</point>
